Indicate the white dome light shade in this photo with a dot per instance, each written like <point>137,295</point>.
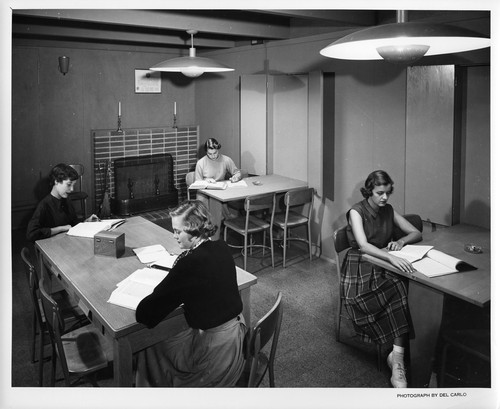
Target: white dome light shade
<point>191,66</point>
<point>404,42</point>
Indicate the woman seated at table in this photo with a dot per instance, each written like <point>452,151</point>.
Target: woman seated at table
<point>214,166</point>
<point>203,280</point>
<point>55,213</point>
<point>375,298</point>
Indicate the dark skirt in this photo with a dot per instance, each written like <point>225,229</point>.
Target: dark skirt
<point>375,299</point>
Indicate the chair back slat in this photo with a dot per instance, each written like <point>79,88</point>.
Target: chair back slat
<point>261,202</point>
<point>340,240</point>
<point>414,219</point>
<point>267,328</point>
<point>297,197</point>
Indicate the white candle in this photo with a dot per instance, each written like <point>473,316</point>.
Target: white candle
<point>175,108</point>
<point>119,108</point>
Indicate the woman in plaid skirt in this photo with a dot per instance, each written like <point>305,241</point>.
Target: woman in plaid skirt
<point>375,299</point>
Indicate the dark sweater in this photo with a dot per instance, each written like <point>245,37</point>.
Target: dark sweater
<point>204,281</point>
<point>50,212</point>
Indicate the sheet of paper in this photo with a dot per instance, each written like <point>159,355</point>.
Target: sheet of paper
<point>240,183</point>
<point>166,261</point>
<point>411,252</point>
<point>149,276</point>
<point>149,254</point>
<point>432,268</point>
<point>130,294</point>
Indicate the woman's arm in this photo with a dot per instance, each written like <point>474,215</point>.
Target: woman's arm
<point>360,236</point>
<point>412,234</point>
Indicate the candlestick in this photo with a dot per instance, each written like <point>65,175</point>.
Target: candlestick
<point>119,108</point>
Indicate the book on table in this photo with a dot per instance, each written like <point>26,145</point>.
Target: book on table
<point>432,262</point>
<point>90,229</point>
<point>156,255</point>
<point>138,285</point>
<point>203,184</point>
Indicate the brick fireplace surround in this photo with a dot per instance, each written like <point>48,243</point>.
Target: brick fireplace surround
<point>182,143</point>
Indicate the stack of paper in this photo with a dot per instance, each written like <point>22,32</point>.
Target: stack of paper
<point>90,229</point>
<point>136,286</point>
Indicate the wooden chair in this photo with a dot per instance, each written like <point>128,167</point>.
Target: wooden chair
<point>290,219</point>
<point>189,181</point>
<point>341,244</point>
<point>472,346</point>
<point>259,217</point>
<point>258,362</point>
<point>81,352</point>
<point>78,195</point>
<point>72,315</point>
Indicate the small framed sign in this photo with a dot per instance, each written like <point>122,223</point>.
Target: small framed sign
<point>147,82</point>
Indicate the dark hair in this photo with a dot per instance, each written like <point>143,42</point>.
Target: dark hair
<point>196,217</point>
<point>376,178</point>
<point>212,143</point>
<point>62,172</point>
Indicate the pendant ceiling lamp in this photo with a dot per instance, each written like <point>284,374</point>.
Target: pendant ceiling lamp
<point>191,66</point>
<point>404,42</point>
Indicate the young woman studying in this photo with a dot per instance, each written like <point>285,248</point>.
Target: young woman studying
<point>55,213</point>
<point>214,166</point>
<point>203,279</point>
<point>376,300</point>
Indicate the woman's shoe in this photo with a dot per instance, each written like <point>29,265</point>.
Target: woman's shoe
<point>398,378</point>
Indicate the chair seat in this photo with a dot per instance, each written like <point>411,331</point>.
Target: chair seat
<point>254,224</point>
<point>294,219</point>
<point>86,350</point>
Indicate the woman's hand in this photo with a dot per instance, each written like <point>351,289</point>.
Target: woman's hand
<point>210,180</point>
<point>401,264</point>
<point>395,245</point>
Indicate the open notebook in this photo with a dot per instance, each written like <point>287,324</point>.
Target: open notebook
<point>136,286</point>
<point>89,229</point>
<point>156,255</point>
<point>432,262</point>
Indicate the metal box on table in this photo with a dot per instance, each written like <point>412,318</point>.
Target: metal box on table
<point>109,243</point>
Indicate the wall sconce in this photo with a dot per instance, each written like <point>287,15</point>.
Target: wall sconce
<point>64,64</point>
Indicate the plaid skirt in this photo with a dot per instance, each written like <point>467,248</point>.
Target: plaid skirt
<point>375,299</point>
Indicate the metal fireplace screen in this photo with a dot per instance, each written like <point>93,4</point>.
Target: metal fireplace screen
<point>144,183</point>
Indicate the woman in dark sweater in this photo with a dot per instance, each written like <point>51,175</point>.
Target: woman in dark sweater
<point>203,280</point>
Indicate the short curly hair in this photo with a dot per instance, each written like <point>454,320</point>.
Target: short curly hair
<point>62,172</point>
<point>376,178</point>
<point>212,143</point>
<point>196,217</point>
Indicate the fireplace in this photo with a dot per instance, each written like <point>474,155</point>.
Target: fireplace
<point>143,184</point>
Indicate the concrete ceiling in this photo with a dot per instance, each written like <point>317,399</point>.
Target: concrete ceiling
<point>217,29</point>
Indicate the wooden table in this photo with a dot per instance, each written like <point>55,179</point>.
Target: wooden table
<point>426,295</point>
<point>268,184</point>
<point>91,279</point>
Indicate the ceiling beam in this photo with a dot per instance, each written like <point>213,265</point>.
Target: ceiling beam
<point>88,34</point>
<point>201,20</point>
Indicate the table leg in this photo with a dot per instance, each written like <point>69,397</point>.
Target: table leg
<point>245,298</point>
<point>122,363</point>
<point>215,208</point>
<point>426,308</point>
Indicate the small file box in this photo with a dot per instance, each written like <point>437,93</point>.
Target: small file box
<point>109,243</point>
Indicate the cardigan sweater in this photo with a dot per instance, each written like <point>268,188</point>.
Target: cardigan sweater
<point>204,281</point>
